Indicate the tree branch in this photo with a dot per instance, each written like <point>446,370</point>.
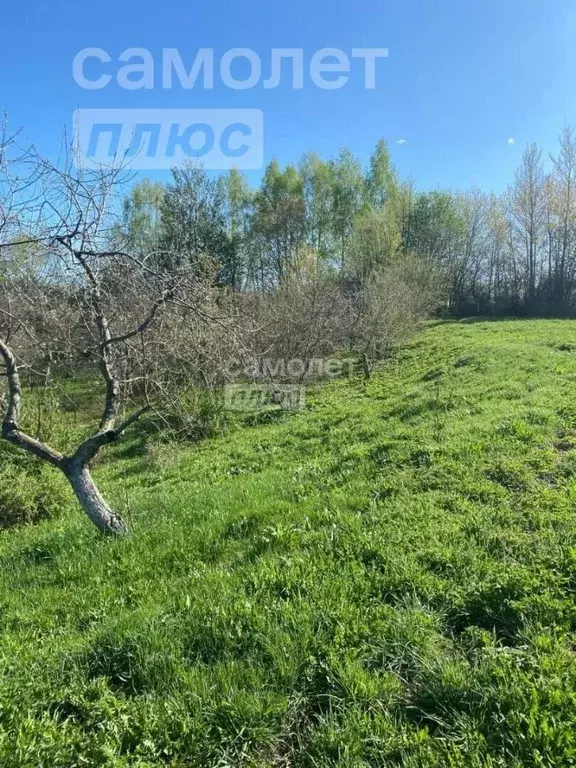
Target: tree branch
<point>10,430</point>
<point>89,448</point>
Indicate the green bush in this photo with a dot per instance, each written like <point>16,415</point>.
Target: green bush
<point>194,414</point>
<point>29,492</point>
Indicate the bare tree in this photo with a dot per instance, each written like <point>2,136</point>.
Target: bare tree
<point>62,217</point>
<point>562,220</point>
<point>527,200</point>
<point>389,308</point>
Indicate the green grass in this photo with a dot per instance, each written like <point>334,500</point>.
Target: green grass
<point>386,578</point>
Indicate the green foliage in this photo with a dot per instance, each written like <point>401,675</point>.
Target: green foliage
<point>381,180</point>
<point>436,226</point>
<point>139,229</point>
<point>196,413</point>
<point>29,490</point>
<point>385,578</point>
<point>318,185</point>
<point>192,222</point>
<point>279,218</point>
<point>348,198</point>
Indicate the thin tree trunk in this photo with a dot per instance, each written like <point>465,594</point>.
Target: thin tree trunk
<point>92,501</point>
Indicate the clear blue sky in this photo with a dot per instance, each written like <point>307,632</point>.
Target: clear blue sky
<point>462,78</point>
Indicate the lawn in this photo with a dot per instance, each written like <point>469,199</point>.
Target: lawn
<point>385,578</point>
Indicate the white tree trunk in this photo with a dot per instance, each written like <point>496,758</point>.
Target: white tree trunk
<point>92,501</point>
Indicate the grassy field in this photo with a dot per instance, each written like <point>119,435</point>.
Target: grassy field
<point>386,578</point>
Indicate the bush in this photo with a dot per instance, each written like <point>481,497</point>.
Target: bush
<point>193,413</point>
<point>29,491</point>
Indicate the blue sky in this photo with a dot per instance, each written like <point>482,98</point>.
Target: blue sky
<point>462,77</point>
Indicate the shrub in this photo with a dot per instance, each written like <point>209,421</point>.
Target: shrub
<point>194,413</point>
<point>29,492</point>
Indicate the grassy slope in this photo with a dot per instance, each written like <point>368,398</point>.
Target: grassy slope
<point>386,578</point>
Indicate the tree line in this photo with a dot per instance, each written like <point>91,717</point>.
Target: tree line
<point>512,253</point>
